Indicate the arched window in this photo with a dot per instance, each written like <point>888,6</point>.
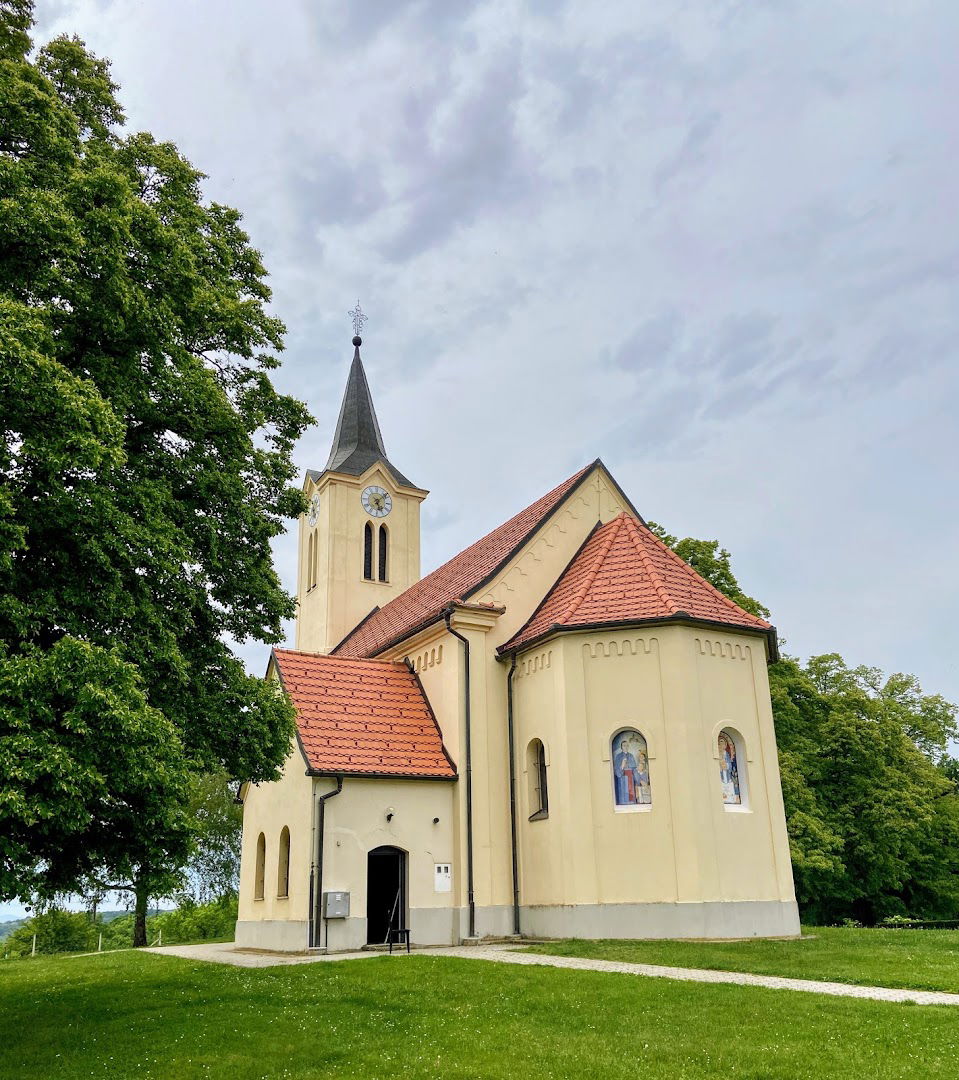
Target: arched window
<point>631,786</point>
<point>732,769</point>
<point>260,874</point>
<point>309,562</point>
<point>368,551</point>
<point>384,552</point>
<point>283,864</point>
<point>313,561</point>
<point>536,778</point>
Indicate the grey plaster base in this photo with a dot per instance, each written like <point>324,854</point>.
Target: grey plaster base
<point>428,926</point>
<point>448,926</point>
<point>718,919</point>
<point>495,921</point>
<point>276,935</point>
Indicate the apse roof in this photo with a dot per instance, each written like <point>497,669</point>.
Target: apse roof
<point>623,573</point>
<point>362,717</point>
<point>425,601</point>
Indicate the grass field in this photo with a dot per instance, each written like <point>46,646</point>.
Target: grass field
<point>914,959</point>
<point>141,1015</point>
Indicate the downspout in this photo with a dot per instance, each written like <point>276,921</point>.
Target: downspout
<point>469,779</point>
<point>512,792</point>
<point>318,891</point>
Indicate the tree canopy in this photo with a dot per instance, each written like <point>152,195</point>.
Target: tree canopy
<point>145,467</point>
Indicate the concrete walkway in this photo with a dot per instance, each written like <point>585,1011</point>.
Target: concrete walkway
<point>228,954</point>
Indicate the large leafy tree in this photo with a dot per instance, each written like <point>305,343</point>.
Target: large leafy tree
<point>145,466</point>
<point>870,788</point>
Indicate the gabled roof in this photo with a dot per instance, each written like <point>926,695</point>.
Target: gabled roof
<point>623,573</point>
<point>425,601</point>
<point>358,442</point>
<point>362,717</point>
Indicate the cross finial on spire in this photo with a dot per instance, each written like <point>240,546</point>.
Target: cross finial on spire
<point>358,319</point>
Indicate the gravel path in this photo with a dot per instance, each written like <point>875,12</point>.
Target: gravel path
<point>704,975</point>
<point>228,954</point>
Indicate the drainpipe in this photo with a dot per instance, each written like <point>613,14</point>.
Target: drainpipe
<point>469,779</point>
<point>317,910</point>
<point>512,792</point>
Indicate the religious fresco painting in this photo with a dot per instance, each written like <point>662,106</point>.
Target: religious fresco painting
<point>729,770</point>
<point>631,769</point>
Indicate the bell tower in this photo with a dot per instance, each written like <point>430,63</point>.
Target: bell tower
<point>360,537</point>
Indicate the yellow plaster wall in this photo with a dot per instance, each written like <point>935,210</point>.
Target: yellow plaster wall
<point>437,659</point>
<point>356,824</point>
<point>267,808</point>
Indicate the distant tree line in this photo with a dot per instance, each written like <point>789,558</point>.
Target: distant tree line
<point>870,787</point>
<point>59,931</point>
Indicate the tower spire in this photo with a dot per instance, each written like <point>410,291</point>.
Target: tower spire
<point>358,442</point>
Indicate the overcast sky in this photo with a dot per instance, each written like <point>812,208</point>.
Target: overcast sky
<point>714,243</point>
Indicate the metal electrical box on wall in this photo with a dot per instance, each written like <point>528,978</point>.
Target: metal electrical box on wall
<point>336,905</point>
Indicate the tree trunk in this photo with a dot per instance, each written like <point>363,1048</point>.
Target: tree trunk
<point>140,911</point>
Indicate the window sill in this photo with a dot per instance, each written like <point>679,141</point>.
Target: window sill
<point>639,808</point>
<point>540,815</point>
<point>258,899</point>
<point>283,896</point>
<point>731,808</point>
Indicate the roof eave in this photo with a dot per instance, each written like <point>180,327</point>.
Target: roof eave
<point>348,774</point>
<point>509,650</point>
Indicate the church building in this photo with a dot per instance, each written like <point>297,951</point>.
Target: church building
<point>563,731</point>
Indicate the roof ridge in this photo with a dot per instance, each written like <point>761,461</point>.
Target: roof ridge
<point>649,566</point>
<point>583,591</point>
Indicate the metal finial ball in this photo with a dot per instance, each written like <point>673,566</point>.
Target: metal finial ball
<point>357,341</point>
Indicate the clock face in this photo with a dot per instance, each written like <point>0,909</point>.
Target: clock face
<point>314,509</point>
<point>376,501</point>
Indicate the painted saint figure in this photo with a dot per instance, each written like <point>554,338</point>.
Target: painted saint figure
<point>631,770</point>
<point>729,770</point>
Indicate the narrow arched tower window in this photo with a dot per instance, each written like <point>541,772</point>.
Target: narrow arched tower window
<point>260,874</point>
<point>384,552</point>
<point>536,774</point>
<point>309,562</point>
<point>283,864</point>
<point>368,551</point>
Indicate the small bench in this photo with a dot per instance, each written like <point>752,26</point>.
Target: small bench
<point>399,934</point>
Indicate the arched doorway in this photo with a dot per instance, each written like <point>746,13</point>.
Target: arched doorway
<point>385,893</point>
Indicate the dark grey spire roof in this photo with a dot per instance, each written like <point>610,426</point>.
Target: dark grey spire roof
<point>358,442</point>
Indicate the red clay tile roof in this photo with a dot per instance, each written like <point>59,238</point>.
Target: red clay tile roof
<point>362,717</point>
<point>624,573</point>
<point>423,602</point>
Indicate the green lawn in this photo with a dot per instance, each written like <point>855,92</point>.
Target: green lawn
<point>916,959</point>
<point>140,1015</point>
